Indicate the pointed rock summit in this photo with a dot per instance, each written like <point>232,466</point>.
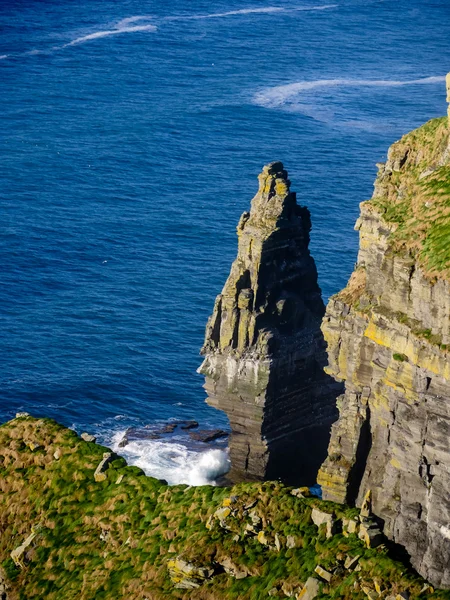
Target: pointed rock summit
<point>264,352</point>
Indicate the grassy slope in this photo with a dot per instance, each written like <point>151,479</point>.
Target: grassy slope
<point>415,197</point>
<point>143,523</point>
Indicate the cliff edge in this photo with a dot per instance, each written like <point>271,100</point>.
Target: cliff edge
<point>264,353</point>
<point>77,522</point>
<point>388,336</point>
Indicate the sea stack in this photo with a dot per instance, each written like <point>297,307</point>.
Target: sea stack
<point>264,352</point>
<point>388,335</point>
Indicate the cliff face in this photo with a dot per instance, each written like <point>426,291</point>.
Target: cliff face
<point>388,336</point>
<point>264,352</point>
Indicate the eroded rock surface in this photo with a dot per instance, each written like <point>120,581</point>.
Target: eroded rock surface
<point>264,352</point>
<point>388,335</point>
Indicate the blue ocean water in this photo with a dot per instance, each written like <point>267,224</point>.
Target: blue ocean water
<point>132,136</point>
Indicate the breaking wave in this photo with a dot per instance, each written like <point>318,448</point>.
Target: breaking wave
<point>174,462</point>
<point>290,94</point>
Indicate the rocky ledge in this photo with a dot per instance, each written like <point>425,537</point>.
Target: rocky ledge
<point>388,335</point>
<point>264,352</point>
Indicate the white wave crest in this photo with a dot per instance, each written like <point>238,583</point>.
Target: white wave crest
<point>107,32</point>
<point>324,7</point>
<point>282,95</point>
<point>249,11</point>
<point>128,20</point>
<point>174,462</point>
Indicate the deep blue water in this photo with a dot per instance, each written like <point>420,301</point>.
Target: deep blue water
<point>132,133</point>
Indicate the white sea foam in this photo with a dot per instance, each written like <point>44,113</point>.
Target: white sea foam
<point>284,95</point>
<point>324,7</point>
<point>174,462</point>
<point>128,20</point>
<point>34,52</point>
<point>119,29</point>
<point>249,11</point>
<point>3,56</point>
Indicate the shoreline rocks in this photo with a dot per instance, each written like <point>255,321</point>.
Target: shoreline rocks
<point>188,429</point>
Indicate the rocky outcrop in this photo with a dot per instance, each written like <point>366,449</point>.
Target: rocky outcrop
<point>264,353</point>
<point>187,576</point>
<point>100,471</point>
<point>18,555</point>
<point>388,336</point>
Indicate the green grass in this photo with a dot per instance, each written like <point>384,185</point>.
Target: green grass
<point>415,200</point>
<point>102,540</point>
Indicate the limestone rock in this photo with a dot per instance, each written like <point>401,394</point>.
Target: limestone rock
<point>351,562</point>
<point>99,474</point>
<point>87,437</point>
<point>388,336</point>
<point>310,590</point>
<point>262,538</point>
<point>263,350</point>
<point>290,542</point>
<point>323,573</point>
<point>236,571</point>
<point>371,594</point>
<point>33,446</point>
<point>277,542</point>
<point>349,526</point>
<point>187,576</point>
<point>302,492</point>
<point>18,555</point>
<point>255,518</point>
<point>366,506</point>
<point>370,533</point>
<point>320,517</point>
<point>221,514</point>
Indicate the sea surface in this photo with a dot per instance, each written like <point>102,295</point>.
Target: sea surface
<point>132,134</point>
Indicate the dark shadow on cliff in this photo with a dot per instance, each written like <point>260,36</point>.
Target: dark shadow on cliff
<point>298,432</point>
<point>301,398</point>
<point>362,454</point>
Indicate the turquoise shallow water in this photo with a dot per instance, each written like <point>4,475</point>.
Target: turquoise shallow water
<point>132,135</point>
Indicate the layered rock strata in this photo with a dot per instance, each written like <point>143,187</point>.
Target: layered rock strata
<point>264,352</point>
<point>388,336</point>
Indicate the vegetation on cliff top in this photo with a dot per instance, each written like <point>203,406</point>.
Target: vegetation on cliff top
<point>412,193</point>
<point>119,537</point>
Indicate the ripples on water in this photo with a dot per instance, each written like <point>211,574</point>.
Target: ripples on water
<point>133,133</point>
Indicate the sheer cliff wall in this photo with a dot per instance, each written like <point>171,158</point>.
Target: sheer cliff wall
<point>388,336</point>
<point>264,352</point>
